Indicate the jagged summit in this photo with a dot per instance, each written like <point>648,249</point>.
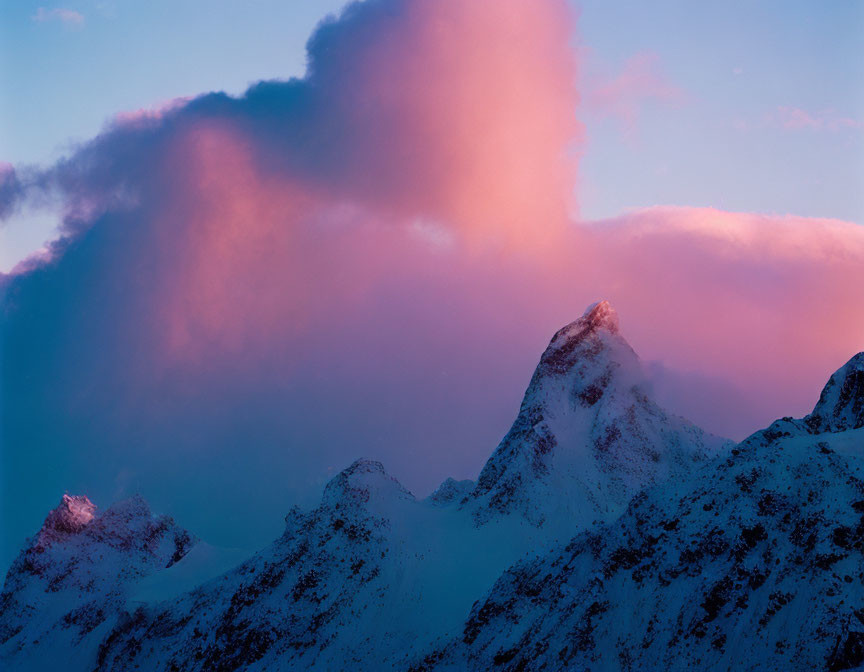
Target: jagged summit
<point>587,436</point>
<point>70,516</point>
<point>601,315</point>
<point>597,331</point>
<point>66,589</point>
<point>841,404</point>
<point>363,482</point>
<point>451,491</point>
<point>365,466</point>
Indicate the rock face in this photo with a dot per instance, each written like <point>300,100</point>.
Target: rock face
<point>588,437</point>
<point>65,590</point>
<point>755,563</point>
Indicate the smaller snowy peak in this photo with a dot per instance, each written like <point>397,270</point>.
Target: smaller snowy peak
<point>131,507</point>
<point>451,491</point>
<point>841,404</point>
<point>66,589</point>
<point>364,482</point>
<point>71,516</point>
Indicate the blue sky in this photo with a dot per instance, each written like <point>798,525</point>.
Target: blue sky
<point>769,115</point>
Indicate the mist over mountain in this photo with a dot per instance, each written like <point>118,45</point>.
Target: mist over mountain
<point>601,532</point>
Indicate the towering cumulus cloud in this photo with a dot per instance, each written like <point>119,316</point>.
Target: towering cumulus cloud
<point>251,292</point>
<point>237,276</point>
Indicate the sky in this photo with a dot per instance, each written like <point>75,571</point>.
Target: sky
<point>257,279</point>
<point>745,106</point>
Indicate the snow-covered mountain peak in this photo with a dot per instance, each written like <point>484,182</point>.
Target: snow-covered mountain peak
<point>364,482</point>
<point>841,404</point>
<point>593,337</point>
<point>585,362</point>
<point>588,436</point>
<point>450,492</point>
<point>66,588</point>
<point>72,514</point>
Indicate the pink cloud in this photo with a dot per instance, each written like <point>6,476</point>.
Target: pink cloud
<point>796,119</point>
<point>370,260</point>
<point>640,80</point>
<point>463,87</point>
<point>435,140</point>
<point>68,17</point>
<point>150,115</point>
<point>769,303</point>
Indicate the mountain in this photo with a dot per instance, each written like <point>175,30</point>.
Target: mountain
<point>587,428</point>
<point>372,576</point>
<point>327,577</point>
<point>755,563</point>
<point>65,591</point>
<point>359,583</point>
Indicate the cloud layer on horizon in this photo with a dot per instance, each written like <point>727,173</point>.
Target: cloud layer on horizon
<point>251,292</point>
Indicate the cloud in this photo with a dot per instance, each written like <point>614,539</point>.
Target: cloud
<point>623,95</point>
<point>147,116</point>
<point>11,190</point>
<point>796,119</point>
<point>767,303</point>
<point>251,292</point>
<point>211,245</point>
<point>68,17</point>
<point>404,109</point>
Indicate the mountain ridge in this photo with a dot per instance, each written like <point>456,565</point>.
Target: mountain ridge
<point>755,564</point>
<point>594,494</point>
